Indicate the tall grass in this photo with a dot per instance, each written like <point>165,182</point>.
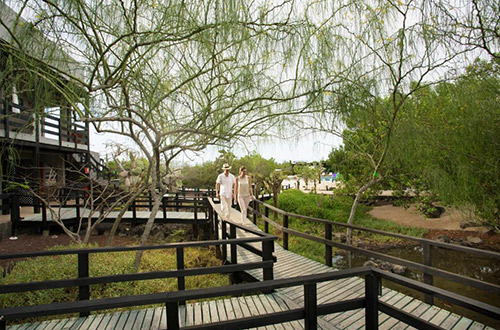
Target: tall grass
<point>102,264</point>
<point>335,209</point>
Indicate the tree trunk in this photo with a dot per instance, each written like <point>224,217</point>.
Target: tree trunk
<point>360,192</point>
<point>112,233</point>
<point>149,225</point>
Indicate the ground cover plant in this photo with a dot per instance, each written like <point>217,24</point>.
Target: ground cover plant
<point>102,264</point>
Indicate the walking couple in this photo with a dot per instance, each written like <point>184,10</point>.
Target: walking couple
<point>228,187</point>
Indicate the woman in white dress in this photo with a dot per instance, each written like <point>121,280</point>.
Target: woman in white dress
<point>243,192</point>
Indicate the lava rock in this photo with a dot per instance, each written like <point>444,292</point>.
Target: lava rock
<point>397,269</point>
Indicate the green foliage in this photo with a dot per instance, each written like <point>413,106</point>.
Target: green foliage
<point>204,175</point>
<point>334,208</point>
<point>447,140</point>
<point>102,264</point>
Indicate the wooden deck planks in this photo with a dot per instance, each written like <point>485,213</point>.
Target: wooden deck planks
<point>70,213</point>
<point>288,265</point>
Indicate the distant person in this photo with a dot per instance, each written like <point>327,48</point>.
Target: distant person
<point>224,190</point>
<point>243,191</point>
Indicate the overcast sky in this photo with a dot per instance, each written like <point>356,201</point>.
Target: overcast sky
<point>309,148</point>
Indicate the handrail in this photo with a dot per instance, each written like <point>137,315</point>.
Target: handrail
<point>309,312</point>
<point>425,267</point>
<point>486,253</point>
<point>134,248</point>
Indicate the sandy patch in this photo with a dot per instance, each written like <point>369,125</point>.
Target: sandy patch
<point>449,220</point>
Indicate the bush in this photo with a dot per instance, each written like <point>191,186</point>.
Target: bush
<point>334,208</point>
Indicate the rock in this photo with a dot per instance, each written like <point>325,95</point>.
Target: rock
<point>398,269</point>
<point>467,224</point>
<point>370,263</point>
<point>474,240</point>
<point>385,265</point>
<point>444,239</point>
<point>437,213</point>
<point>159,236</point>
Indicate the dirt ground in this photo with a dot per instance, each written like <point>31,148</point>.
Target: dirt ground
<point>449,220</point>
<point>447,225</point>
<point>36,242</point>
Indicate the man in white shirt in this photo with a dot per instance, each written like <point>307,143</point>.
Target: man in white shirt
<point>224,190</point>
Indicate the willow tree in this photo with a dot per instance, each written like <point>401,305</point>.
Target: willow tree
<point>370,57</point>
<point>174,76</point>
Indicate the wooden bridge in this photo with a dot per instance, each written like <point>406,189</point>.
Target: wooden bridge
<point>298,293</point>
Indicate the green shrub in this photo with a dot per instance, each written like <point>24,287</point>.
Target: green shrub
<point>335,208</point>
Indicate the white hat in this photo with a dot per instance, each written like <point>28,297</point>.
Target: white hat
<point>226,166</point>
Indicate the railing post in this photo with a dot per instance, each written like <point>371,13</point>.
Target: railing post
<point>181,280</point>
<point>285,235</point>
<point>232,233</point>
<point>428,278</point>
<point>310,306</point>
<point>44,217</point>
<point>77,205</point>
<point>150,201</point>
<point>255,210</point>
<point>371,301</point>
<point>267,254</point>
<point>134,211</point>
<point>196,228</point>
<point>266,224</point>
<point>164,207</point>
<point>172,310</point>
<point>216,223</point>
<point>328,248</point>
<point>176,202</point>
<point>15,214</point>
<point>224,235</point>
<point>83,271</point>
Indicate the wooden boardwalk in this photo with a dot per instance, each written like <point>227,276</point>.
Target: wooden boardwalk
<point>288,265</point>
<point>70,213</point>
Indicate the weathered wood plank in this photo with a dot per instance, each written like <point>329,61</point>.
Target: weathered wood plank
<point>212,307</point>
<point>221,309</point>
<point>462,324</point>
<point>132,315</point>
<point>148,318</point>
<point>189,315</point>
<point>205,310</point>
<point>476,326</point>
<point>440,317</point>
<point>113,321</point>
<point>137,325</point>
<point>198,315</point>
<point>229,309</point>
<point>155,323</point>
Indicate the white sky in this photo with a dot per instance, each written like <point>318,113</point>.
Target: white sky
<point>314,147</point>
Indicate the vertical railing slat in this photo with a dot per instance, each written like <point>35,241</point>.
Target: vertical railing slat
<point>328,248</point>
<point>428,278</point>
<point>371,301</point>
<point>83,271</point>
<point>310,307</point>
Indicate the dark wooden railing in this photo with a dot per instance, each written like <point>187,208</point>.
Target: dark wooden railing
<point>186,200</point>
<point>428,245</point>
<point>10,205</point>
<point>309,312</point>
<point>24,121</point>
